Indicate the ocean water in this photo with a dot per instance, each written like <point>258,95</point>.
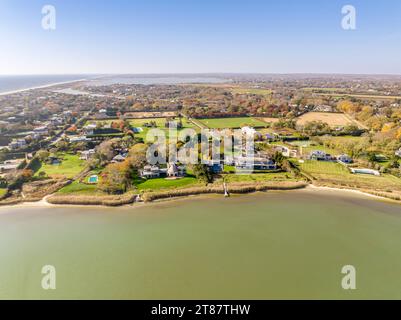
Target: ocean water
<point>273,245</point>
<point>12,83</point>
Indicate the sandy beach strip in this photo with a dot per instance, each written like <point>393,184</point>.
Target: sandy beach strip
<point>41,87</point>
<point>361,193</point>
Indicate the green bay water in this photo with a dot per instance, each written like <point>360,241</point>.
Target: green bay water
<point>263,246</point>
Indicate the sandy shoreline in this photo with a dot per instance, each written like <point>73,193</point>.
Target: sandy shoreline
<point>41,87</point>
<point>313,187</point>
<point>310,188</point>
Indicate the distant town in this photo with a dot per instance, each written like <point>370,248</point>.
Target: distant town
<point>85,142</point>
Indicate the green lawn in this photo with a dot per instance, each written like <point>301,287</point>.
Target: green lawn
<point>223,123</point>
<point>307,150</point>
<point>160,122</point>
<point>70,166</point>
<point>80,188</point>
<point>161,183</point>
<point>337,174</point>
<point>323,167</point>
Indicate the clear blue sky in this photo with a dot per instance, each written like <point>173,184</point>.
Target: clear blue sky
<point>185,36</point>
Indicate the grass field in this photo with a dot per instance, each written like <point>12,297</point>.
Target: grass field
<point>223,123</point>
<point>361,96</point>
<point>263,92</point>
<point>161,183</point>
<point>313,147</point>
<point>341,92</point>
<point>80,188</point>
<point>336,174</point>
<point>323,167</point>
<point>332,119</point>
<point>325,89</point>
<point>343,139</point>
<point>160,123</point>
<point>70,166</point>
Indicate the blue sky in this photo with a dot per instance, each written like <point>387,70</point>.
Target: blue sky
<point>200,36</point>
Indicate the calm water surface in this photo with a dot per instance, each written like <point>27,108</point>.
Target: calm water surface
<point>11,83</point>
<point>262,246</point>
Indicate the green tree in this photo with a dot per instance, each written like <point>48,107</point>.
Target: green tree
<point>116,178</point>
<point>202,173</point>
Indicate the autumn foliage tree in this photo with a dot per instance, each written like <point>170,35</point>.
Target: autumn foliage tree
<point>116,178</point>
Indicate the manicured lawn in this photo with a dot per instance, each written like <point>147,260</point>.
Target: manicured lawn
<point>222,123</point>
<point>80,188</point>
<point>161,183</point>
<point>337,174</point>
<point>324,167</point>
<point>2,192</point>
<point>160,123</point>
<point>307,150</point>
<point>70,166</point>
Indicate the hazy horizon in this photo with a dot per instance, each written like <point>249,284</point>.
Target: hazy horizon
<point>201,73</point>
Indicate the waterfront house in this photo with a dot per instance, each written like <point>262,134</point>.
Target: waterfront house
<point>151,172</point>
<point>255,163</point>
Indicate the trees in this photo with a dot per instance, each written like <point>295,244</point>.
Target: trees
<point>62,146</point>
<point>116,178</point>
<point>105,151</point>
<point>42,155</point>
<point>15,181</point>
<point>202,173</point>
<point>137,155</point>
<point>314,128</point>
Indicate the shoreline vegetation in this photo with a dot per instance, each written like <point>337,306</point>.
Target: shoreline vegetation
<point>174,194</point>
